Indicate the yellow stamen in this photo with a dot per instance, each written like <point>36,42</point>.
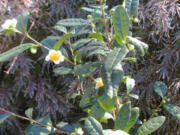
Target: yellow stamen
<point>54,56</point>
<point>100,83</point>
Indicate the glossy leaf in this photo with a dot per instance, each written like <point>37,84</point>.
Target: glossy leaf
<point>134,96</point>
<point>128,5</point>
<point>160,88</point>
<point>87,98</point>
<point>3,117</point>
<point>81,43</point>
<point>22,22</point>
<point>116,79</point>
<point>130,83</point>
<point>92,10</point>
<point>141,47</point>
<point>121,24</point>
<point>63,70</point>
<point>123,116</point>
<point>86,68</point>
<point>15,51</point>
<point>112,132</point>
<point>173,109</point>
<point>60,28</point>
<point>93,127</point>
<point>115,57</point>
<point>106,102</point>
<point>72,22</point>
<point>34,129</point>
<point>97,112</point>
<point>62,39</point>
<point>134,7</point>
<point>133,118</point>
<point>98,36</point>
<point>151,125</point>
<point>68,127</point>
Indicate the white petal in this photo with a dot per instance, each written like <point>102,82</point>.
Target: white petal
<point>47,57</point>
<point>51,51</point>
<point>97,86</point>
<point>61,58</point>
<point>57,62</point>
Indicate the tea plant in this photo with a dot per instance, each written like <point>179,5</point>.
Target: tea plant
<point>96,49</point>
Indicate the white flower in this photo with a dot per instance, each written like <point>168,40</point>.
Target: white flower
<point>9,24</point>
<point>79,131</point>
<point>99,83</point>
<point>55,56</point>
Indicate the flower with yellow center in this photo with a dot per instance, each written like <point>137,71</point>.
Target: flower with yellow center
<point>9,24</point>
<point>79,131</point>
<point>99,83</point>
<point>55,56</point>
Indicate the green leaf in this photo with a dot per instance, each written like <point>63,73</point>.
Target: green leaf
<point>63,71</point>
<point>29,112</point>
<point>173,109</point>
<point>67,127</point>
<point>160,88</point>
<point>60,28</point>
<point>112,132</point>
<point>98,36</point>
<point>151,125</point>
<point>48,42</point>
<point>15,51</point>
<point>97,112</point>
<point>98,50</point>
<point>87,98</point>
<point>123,116</point>
<point>121,24</point>
<point>115,57</point>
<point>132,6</point>
<point>63,38</point>
<point>141,47</point>
<point>34,129</point>
<point>81,43</point>
<point>134,96</point>
<point>72,22</point>
<point>3,117</point>
<point>130,59</point>
<point>93,127</point>
<point>22,22</point>
<point>112,81</point>
<point>92,10</point>
<point>106,102</point>
<point>116,79</point>
<point>130,83</point>
<point>133,118</point>
<point>128,5</point>
<point>86,69</point>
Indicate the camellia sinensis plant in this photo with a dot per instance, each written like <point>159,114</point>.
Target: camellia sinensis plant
<point>97,48</point>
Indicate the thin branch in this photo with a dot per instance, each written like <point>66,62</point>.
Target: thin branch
<point>16,57</point>
<point>28,119</point>
<point>41,45</point>
<point>106,27</point>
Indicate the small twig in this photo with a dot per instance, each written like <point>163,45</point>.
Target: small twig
<point>117,106</point>
<point>81,86</point>
<point>28,119</point>
<point>106,27</point>
<point>41,45</point>
<point>16,57</point>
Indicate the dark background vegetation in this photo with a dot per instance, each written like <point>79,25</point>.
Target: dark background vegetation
<point>31,82</point>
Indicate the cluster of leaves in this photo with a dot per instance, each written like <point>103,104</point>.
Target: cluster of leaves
<point>107,63</point>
